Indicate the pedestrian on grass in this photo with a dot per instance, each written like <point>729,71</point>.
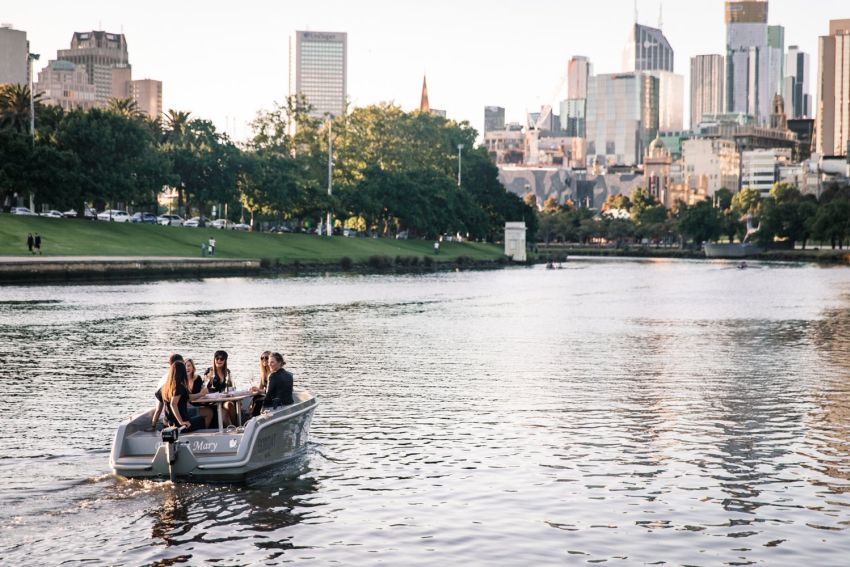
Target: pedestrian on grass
<point>212,246</point>
<point>37,243</point>
<point>30,242</point>
<point>436,247</point>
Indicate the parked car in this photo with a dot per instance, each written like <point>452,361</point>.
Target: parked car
<point>22,211</point>
<point>114,215</point>
<point>195,222</point>
<point>241,226</point>
<point>350,232</point>
<point>144,218</point>
<point>53,215</point>
<point>170,220</point>
<point>89,213</point>
<point>221,224</point>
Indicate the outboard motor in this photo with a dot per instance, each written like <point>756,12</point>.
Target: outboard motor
<point>169,437</point>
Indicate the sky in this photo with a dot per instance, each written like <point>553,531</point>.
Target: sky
<point>227,61</point>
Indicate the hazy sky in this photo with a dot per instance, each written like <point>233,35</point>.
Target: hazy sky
<point>226,63</point>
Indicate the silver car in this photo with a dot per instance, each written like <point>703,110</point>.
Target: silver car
<point>170,220</point>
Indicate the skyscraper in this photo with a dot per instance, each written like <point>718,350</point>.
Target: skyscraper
<point>647,50</point>
<point>748,83</point>
<point>494,118</point>
<point>14,56</point>
<point>795,85</point>
<point>707,80</point>
<point>104,55</point>
<point>833,114</point>
<point>574,108</point>
<point>776,58</point>
<point>318,64</point>
<point>622,117</point>
<point>579,69</point>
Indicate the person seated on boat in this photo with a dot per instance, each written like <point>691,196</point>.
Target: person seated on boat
<point>280,383</point>
<point>157,412</point>
<point>260,391</point>
<point>218,380</point>
<point>197,391</point>
<point>175,396</point>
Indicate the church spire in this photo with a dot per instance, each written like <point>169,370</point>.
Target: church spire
<point>423,103</point>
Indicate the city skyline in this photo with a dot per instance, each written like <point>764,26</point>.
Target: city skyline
<point>480,56</point>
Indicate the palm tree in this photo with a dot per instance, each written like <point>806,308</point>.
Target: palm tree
<point>176,125</point>
<point>126,107</point>
<point>15,106</point>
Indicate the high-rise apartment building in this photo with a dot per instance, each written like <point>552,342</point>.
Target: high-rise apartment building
<point>147,94</point>
<point>833,112</point>
<point>748,83</point>
<point>574,108</point>
<point>622,117</point>
<point>104,54</point>
<point>647,50</point>
<point>66,84</point>
<point>318,69</point>
<point>707,80</point>
<point>494,118</point>
<point>14,56</point>
<point>795,85</point>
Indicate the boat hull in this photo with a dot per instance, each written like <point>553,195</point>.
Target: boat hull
<point>731,250</point>
<point>266,441</point>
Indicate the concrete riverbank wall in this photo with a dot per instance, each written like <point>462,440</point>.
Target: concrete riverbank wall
<point>43,269</point>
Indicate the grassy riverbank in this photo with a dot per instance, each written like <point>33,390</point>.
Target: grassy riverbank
<point>73,237</point>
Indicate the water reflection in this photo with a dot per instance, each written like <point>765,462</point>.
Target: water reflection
<point>689,412</point>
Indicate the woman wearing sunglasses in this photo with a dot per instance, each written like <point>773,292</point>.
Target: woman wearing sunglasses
<point>219,380</point>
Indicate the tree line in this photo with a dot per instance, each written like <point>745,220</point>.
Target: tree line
<point>393,171</point>
<point>785,215</point>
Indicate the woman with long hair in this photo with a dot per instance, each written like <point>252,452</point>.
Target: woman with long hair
<point>175,396</point>
<point>197,390</point>
<point>260,392</point>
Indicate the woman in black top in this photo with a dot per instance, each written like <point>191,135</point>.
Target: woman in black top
<point>175,395</point>
<point>219,380</point>
<point>280,382</point>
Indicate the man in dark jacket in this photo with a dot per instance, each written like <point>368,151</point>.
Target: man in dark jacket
<point>280,382</point>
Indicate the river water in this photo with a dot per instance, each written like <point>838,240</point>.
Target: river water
<point>618,412</point>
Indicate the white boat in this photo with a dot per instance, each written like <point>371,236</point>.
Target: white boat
<point>732,250</point>
<point>232,455</point>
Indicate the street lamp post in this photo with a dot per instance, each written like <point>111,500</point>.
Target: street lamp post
<point>459,148</point>
<point>330,171</point>
<point>32,57</point>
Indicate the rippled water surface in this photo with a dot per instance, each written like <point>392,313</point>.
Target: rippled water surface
<point>616,412</point>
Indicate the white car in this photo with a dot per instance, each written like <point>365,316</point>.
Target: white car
<point>170,220</point>
<point>22,211</point>
<point>114,215</point>
<point>241,226</point>
<point>89,213</point>
<point>53,214</point>
<point>221,224</point>
<point>193,222</point>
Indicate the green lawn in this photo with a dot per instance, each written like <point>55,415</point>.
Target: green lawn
<point>74,237</point>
